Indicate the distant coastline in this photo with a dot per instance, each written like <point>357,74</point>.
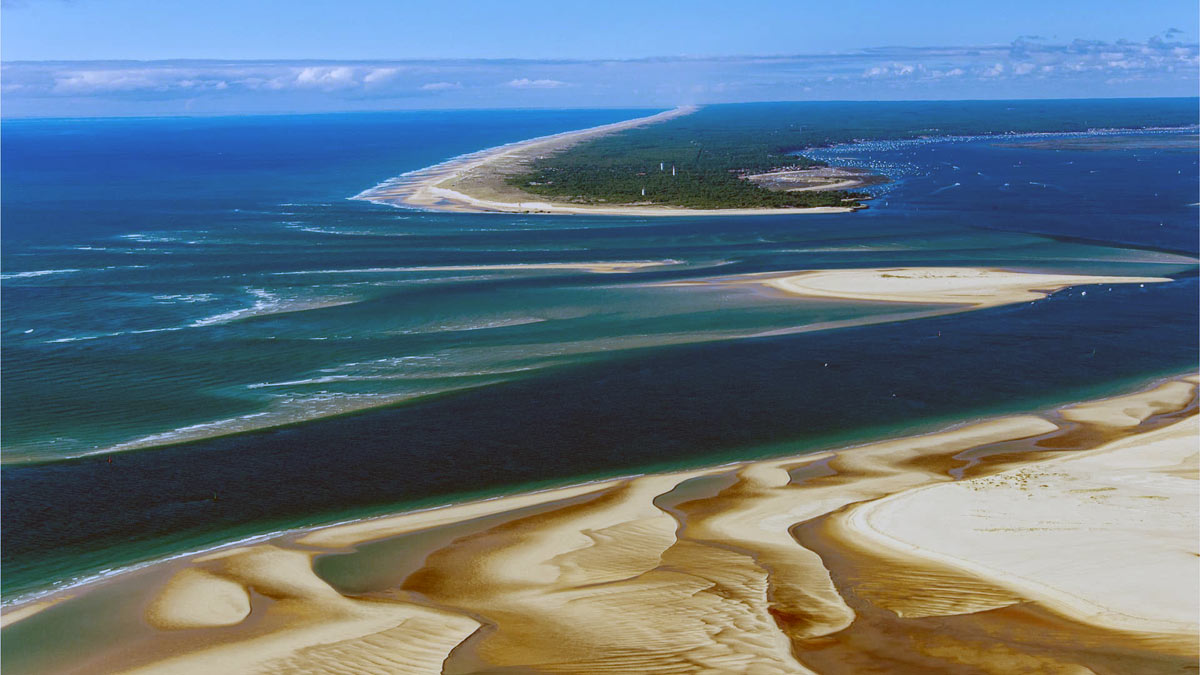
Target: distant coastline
<point>512,178</point>
<point>477,182</point>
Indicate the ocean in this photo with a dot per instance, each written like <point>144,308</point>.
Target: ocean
<point>205,339</point>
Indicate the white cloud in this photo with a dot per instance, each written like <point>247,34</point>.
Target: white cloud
<point>526,83</point>
<point>1027,67</point>
<point>93,81</point>
<point>441,86</point>
<point>893,70</point>
<point>380,75</point>
<point>338,77</point>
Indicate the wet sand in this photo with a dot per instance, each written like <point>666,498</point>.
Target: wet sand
<point>1054,542</point>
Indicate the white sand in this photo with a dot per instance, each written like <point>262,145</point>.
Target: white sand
<point>978,286</point>
<point>1108,537</point>
<point>197,598</point>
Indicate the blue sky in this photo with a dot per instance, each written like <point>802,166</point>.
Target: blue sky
<point>129,57</point>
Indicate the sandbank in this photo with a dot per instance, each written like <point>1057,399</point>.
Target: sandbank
<point>969,287</point>
<point>1026,543</point>
<point>978,286</point>
<point>1107,537</point>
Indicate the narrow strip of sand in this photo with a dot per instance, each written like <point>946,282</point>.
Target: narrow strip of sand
<point>1028,543</point>
<point>477,183</point>
<point>1132,410</point>
<point>977,286</point>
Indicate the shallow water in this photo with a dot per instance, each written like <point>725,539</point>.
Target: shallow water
<point>171,280</point>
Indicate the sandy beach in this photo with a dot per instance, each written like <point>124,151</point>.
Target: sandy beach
<point>944,290</point>
<point>1052,542</point>
<point>973,286</point>
<point>477,183</point>
<point>932,291</point>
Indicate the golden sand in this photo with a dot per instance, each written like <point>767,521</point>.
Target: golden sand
<point>1005,545</point>
<point>1132,410</point>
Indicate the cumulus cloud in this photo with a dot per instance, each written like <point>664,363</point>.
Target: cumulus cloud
<point>380,75</point>
<point>327,78</point>
<point>526,83</point>
<point>893,70</point>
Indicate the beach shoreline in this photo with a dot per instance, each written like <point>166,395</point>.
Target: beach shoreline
<point>475,183</point>
<point>199,587</point>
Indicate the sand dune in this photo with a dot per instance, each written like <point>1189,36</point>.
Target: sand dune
<point>1118,522</point>
<point>1029,543</point>
<point>1132,410</point>
<point>305,625</point>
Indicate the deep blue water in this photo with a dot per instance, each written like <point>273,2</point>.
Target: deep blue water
<point>171,280</point>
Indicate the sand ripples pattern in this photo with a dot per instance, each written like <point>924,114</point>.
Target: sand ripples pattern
<point>826,563</point>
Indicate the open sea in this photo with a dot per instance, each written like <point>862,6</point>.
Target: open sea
<point>205,339</point>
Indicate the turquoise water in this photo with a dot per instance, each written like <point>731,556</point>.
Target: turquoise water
<point>184,280</point>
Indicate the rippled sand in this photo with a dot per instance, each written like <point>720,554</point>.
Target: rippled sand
<point>1029,543</point>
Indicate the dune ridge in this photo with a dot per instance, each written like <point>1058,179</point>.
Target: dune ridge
<point>1003,545</point>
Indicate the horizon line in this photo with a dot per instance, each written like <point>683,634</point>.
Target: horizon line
<point>295,113</point>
